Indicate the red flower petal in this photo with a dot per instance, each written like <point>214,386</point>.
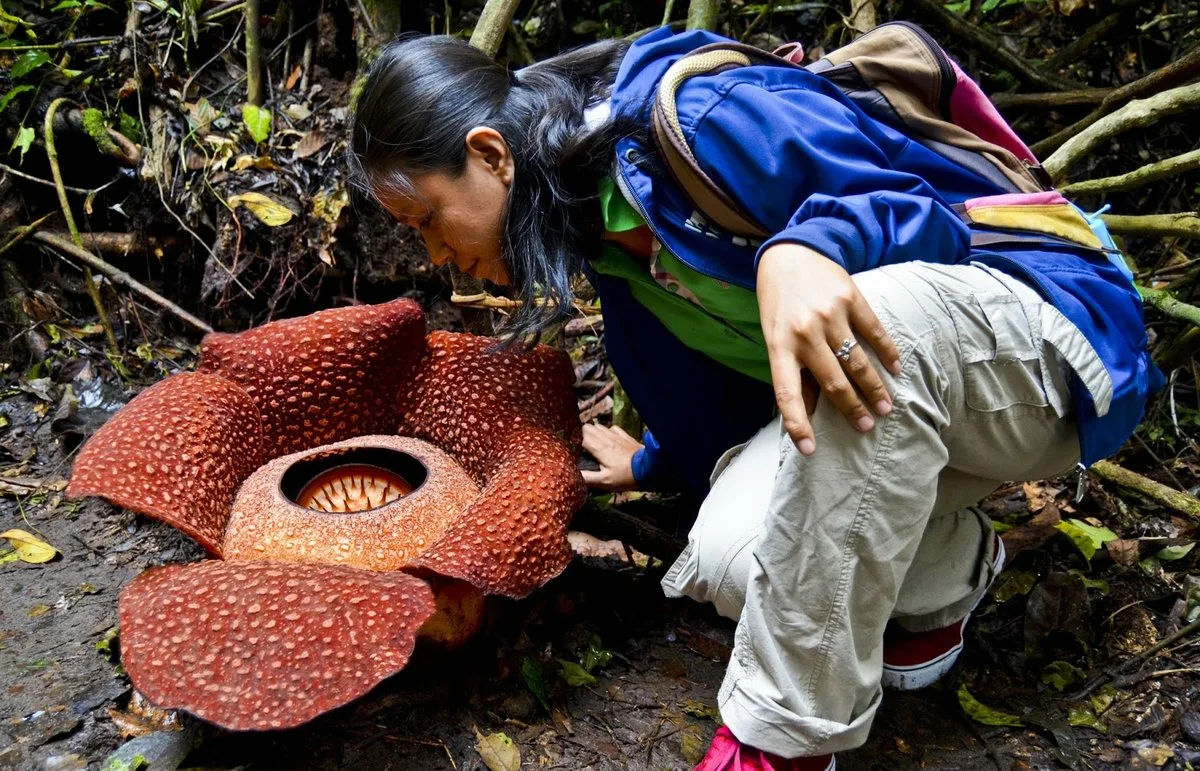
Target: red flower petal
<point>176,452</point>
<point>513,538</point>
<point>266,525</point>
<point>510,418</point>
<point>324,377</point>
<point>259,645</point>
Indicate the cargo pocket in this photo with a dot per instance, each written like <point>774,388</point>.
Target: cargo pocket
<point>1001,353</point>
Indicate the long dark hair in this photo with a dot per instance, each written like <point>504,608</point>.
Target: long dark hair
<point>421,96</point>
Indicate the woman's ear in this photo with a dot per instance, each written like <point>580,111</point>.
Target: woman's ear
<point>486,145</point>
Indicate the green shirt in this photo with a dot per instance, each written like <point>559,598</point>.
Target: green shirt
<point>718,319</point>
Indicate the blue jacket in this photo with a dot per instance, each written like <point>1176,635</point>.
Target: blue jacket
<point>813,168</point>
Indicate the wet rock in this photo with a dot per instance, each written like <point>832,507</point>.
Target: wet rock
<point>162,750</point>
<point>1189,722</point>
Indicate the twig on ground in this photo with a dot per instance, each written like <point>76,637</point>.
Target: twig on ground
<point>1176,501</point>
<point>22,233</point>
<point>1179,225</point>
<point>88,280</point>
<point>119,278</point>
<point>1137,114</point>
<point>1136,661</point>
<point>1174,74</point>
<point>1151,172</point>
<point>991,46</point>
<point>591,401</point>
<point>606,522</point>
<point>48,183</point>
<point>1077,47</point>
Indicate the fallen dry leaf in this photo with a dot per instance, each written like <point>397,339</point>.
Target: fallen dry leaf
<point>311,143</point>
<point>498,751</point>
<point>269,211</point>
<point>29,547</point>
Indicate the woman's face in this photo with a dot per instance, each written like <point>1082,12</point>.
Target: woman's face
<point>461,217</point>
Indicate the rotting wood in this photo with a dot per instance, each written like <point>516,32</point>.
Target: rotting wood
<point>1151,172</point>
<point>1179,502</point>
<point>119,278</point>
<point>1136,114</point>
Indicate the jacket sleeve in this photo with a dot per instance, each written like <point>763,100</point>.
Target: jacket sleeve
<point>651,470</point>
<point>819,172</point>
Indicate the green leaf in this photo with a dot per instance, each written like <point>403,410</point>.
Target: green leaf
<point>1087,538</point>
<point>982,713</point>
<point>1104,698</point>
<point>1172,553</point>
<point>22,142</point>
<point>258,121</point>
<point>12,94</point>
<point>1082,716</point>
<point>138,763</point>
<point>66,4</point>
<point>960,6</point>
<point>145,352</point>
<point>574,674</point>
<point>28,62</point>
<point>1098,584</point>
<point>1013,583</point>
<point>531,673</point>
<point>105,644</point>
<point>1060,674</point>
<point>594,657</point>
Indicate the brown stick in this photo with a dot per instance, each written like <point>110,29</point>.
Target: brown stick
<point>991,46</point>
<point>1174,500</point>
<point>1183,225</point>
<point>1051,98</point>
<point>1076,48</point>
<point>55,172</point>
<point>255,90</point>
<point>119,277</point>
<point>1151,172</point>
<point>604,521</point>
<point>1136,114</point>
<point>1169,76</point>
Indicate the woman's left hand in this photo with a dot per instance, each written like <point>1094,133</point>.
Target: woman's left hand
<point>809,306</point>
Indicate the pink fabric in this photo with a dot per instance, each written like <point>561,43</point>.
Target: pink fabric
<point>973,111</point>
<point>1048,198</point>
<point>793,52</point>
<point>729,754</point>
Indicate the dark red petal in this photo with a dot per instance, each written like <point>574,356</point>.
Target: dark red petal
<point>470,401</point>
<point>266,525</point>
<point>176,452</point>
<point>324,377</point>
<point>513,538</point>
<point>260,645</point>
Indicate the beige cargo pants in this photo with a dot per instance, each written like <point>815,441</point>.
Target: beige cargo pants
<point>814,555</point>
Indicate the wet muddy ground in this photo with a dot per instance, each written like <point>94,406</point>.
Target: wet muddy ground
<point>65,702</point>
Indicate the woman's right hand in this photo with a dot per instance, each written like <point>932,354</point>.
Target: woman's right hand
<point>613,449</point>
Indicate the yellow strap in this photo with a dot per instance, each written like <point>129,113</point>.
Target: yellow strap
<point>1054,219</point>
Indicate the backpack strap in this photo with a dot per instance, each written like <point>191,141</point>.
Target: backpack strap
<point>711,200</point>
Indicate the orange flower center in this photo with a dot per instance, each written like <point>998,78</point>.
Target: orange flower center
<point>353,487</point>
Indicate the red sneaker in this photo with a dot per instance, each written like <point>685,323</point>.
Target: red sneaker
<point>729,754</point>
<point>913,660</point>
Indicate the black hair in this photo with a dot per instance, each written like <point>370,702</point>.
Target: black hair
<point>421,96</point>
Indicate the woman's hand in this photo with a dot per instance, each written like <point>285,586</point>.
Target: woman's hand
<point>809,306</point>
<point>613,449</point>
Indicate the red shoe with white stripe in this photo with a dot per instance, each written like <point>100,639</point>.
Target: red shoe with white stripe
<point>729,754</point>
<point>913,660</point>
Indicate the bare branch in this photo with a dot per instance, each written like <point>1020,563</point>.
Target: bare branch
<point>1151,172</point>
<point>1183,225</point>
<point>493,23</point>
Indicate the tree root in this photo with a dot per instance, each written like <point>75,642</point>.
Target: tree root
<point>1181,225</point>
<point>1166,497</point>
<point>1151,172</point>
<point>1137,114</point>
<point>1169,76</point>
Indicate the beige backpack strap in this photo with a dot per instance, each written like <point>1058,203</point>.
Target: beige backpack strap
<point>708,197</point>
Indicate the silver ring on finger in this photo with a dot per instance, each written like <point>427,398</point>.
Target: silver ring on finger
<point>843,353</point>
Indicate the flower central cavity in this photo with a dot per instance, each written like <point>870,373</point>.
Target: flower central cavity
<point>353,487</point>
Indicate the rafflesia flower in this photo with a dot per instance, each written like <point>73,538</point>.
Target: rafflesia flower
<point>359,483</point>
